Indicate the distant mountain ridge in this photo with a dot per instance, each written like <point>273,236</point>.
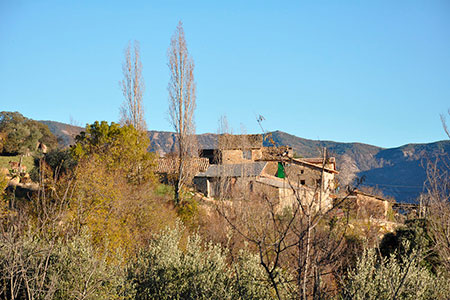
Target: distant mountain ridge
<point>398,172</point>
<point>65,133</point>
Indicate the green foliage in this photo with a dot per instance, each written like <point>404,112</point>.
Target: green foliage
<point>61,161</point>
<point>32,267</point>
<point>199,271</point>
<point>114,182</point>
<point>121,215</point>
<point>415,233</point>
<point>187,208</point>
<point>20,135</point>
<point>85,274</point>
<point>250,279</point>
<point>120,148</point>
<point>164,190</point>
<point>97,139</point>
<point>394,277</point>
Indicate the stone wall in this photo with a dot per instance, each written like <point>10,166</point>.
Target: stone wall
<point>242,141</point>
<point>365,206</point>
<point>369,206</point>
<point>232,157</point>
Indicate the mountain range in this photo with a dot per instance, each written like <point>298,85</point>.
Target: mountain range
<point>397,172</point>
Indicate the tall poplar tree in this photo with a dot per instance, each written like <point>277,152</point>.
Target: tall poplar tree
<point>182,94</point>
<point>132,84</point>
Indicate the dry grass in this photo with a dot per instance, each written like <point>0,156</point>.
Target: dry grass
<point>27,161</point>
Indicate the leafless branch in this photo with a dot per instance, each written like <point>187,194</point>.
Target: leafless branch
<point>132,110</point>
<point>182,96</point>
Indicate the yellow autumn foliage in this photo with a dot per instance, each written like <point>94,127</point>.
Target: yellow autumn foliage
<point>114,191</point>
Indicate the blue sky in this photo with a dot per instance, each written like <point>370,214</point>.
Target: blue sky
<point>375,72</point>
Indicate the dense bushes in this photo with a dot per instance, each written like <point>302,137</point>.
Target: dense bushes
<point>19,135</point>
<point>173,267</point>
<point>36,267</point>
<point>119,148</point>
<point>394,277</point>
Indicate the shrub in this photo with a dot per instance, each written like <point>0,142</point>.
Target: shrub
<point>32,267</point>
<point>166,270</point>
<point>394,277</point>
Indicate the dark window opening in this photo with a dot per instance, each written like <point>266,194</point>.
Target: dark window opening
<point>302,182</point>
<point>247,154</point>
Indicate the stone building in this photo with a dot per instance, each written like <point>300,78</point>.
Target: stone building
<point>236,149</point>
<point>229,180</point>
<point>366,206</point>
<point>252,170</point>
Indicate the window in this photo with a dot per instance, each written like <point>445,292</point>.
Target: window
<point>247,154</point>
<point>302,182</point>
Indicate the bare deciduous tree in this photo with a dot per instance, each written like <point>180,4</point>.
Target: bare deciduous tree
<point>182,103</point>
<point>444,124</point>
<point>132,84</point>
<point>438,202</point>
<point>300,239</point>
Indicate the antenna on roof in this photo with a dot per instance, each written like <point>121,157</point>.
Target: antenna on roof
<point>259,119</point>
<point>266,136</point>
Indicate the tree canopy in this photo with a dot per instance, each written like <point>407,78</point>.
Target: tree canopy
<point>117,147</point>
<point>19,135</point>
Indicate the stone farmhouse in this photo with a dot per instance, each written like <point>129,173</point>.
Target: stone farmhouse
<point>242,167</point>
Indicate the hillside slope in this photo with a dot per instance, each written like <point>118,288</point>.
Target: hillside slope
<point>65,133</point>
<point>398,172</point>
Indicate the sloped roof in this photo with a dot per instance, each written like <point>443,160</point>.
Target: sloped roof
<point>302,161</point>
<point>234,170</point>
<point>319,161</point>
<point>357,192</point>
<point>278,182</point>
